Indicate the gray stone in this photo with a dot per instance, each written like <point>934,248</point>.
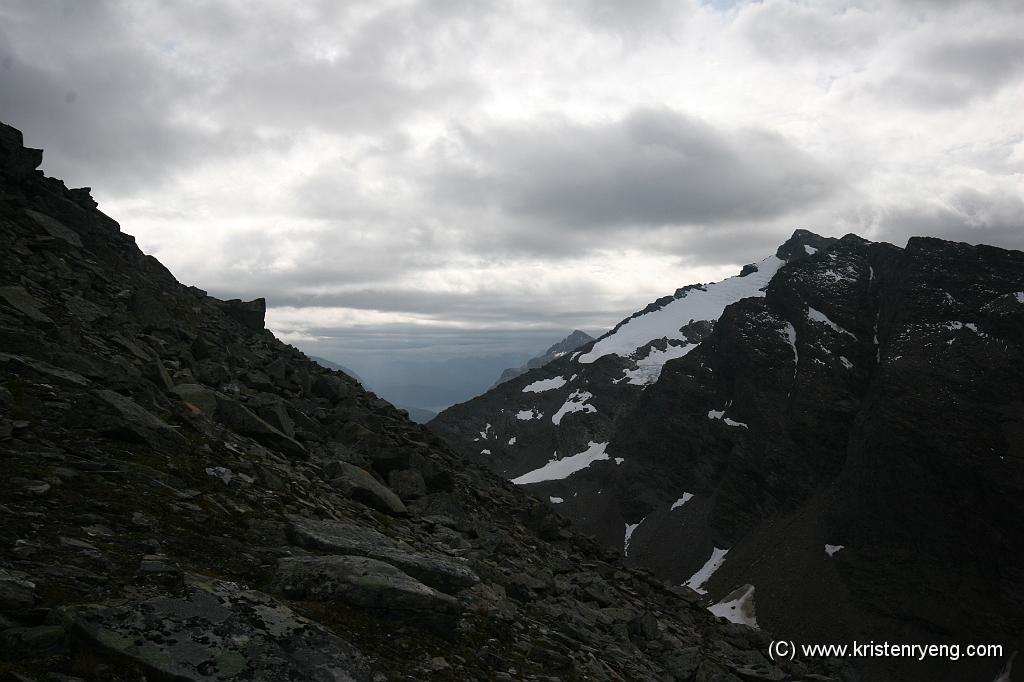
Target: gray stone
<point>155,372</point>
<point>198,396</point>
<point>371,584</point>
<point>40,640</point>
<point>276,415</point>
<point>55,228</point>
<point>359,484</point>
<point>437,571</point>
<point>331,387</point>
<point>16,590</point>
<point>136,420</point>
<point>241,419</point>
<point>218,631</point>
<point>24,302</point>
<point>408,484</point>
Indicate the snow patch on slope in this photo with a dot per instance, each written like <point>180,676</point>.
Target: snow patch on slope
<point>576,402</point>
<point>544,385</point>
<point>720,414</point>
<point>681,501</point>
<point>702,576</point>
<point>832,549</point>
<point>526,415</point>
<point>706,303</point>
<point>737,607</point>
<point>557,469</point>
<point>630,528</point>
<point>648,369</point>
<point>818,316</point>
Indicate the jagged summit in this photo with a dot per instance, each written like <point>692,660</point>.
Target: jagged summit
<point>839,425</point>
<point>567,345</point>
<point>185,497</point>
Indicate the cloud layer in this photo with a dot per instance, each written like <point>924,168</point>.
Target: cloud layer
<point>463,169</point>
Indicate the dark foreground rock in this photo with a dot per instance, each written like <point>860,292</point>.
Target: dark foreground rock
<point>216,631</point>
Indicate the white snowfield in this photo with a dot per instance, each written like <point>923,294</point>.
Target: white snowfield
<point>544,385</point>
<point>821,317</point>
<point>697,304</point>
<point>526,415</point>
<point>737,607</point>
<point>630,528</point>
<point>681,501</point>
<point>832,549</point>
<point>699,579</point>
<point>648,368</point>
<point>557,469</point>
<point>576,402</point>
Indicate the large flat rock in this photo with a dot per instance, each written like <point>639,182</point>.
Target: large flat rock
<point>343,538</point>
<point>370,584</point>
<point>218,631</point>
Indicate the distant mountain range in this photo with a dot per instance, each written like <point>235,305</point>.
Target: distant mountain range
<point>416,414</point>
<point>829,445</point>
<point>566,345</point>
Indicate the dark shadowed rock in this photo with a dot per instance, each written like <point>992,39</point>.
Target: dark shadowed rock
<point>251,314</point>
<point>359,484</point>
<point>218,631</point>
<point>18,298</point>
<point>17,161</point>
<point>241,419</point>
<point>368,583</point>
<point>135,420</point>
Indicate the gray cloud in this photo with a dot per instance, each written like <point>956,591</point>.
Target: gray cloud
<point>654,167</point>
<point>956,72</point>
<point>167,90</point>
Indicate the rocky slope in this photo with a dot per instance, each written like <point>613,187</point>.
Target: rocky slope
<point>185,497</point>
<point>831,445</point>
<point>557,350</point>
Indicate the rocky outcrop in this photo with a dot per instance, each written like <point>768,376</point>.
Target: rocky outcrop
<point>171,475</point>
<point>847,434</point>
<point>217,631</point>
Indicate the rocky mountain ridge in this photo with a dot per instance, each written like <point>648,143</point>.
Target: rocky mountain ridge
<point>570,343</point>
<point>185,497</point>
<point>829,445</point>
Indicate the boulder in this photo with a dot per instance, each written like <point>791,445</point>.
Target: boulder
<point>250,314</point>
<point>359,484</point>
<point>24,302</point>
<point>331,387</point>
<point>340,537</point>
<point>16,591</point>
<point>218,631</point>
<point>241,419</point>
<point>370,584</point>
<point>198,396</point>
<point>134,422</point>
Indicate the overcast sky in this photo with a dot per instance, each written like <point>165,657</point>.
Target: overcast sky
<point>467,176</point>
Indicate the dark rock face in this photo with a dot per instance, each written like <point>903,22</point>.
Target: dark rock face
<point>848,443</point>
<point>167,467</point>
